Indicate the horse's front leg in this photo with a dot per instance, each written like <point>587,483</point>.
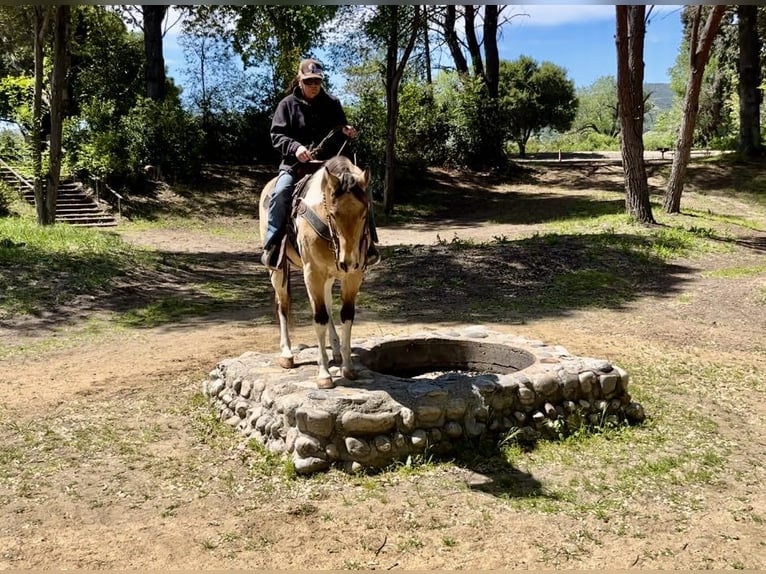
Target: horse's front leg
<point>316,287</point>
<point>348,291</point>
<point>282,292</point>
<point>334,339</point>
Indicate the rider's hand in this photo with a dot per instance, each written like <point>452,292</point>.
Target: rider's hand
<point>303,154</point>
<point>350,132</point>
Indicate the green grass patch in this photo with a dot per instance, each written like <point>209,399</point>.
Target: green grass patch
<point>246,230</point>
<point>736,272</point>
<point>46,266</point>
<point>165,311</point>
<point>63,337</point>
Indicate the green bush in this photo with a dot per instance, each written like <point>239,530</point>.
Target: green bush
<point>162,134</point>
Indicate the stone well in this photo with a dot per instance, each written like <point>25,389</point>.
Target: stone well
<point>422,393</point>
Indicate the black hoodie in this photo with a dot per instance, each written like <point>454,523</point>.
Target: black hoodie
<point>300,122</point>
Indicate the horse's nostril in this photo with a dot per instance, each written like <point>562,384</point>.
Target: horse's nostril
<point>343,267</point>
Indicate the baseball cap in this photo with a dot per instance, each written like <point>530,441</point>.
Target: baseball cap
<point>310,69</point>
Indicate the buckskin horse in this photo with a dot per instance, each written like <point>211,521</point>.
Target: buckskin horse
<point>330,242</point>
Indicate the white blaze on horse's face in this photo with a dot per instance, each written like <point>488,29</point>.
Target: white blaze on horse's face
<point>348,206</point>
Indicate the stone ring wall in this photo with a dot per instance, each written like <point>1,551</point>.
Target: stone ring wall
<point>420,393</point>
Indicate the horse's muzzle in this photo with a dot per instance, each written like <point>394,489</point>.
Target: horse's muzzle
<point>347,266</point>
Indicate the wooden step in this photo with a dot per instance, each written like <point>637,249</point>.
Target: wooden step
<point>73,205</point>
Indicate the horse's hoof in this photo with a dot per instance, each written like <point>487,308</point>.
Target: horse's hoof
<point>286,362</point>
<point>325,383</point>
<point>349,374</point>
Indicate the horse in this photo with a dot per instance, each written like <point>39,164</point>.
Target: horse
<point>332,237</point>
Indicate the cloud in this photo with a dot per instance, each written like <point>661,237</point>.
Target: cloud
<point>544,15</point>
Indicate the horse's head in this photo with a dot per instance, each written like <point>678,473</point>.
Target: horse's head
<point>347,205</point>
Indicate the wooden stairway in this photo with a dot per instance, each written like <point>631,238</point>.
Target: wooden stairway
<point>73,204</point>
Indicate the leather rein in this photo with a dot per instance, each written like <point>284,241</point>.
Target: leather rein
<point>326,229</point>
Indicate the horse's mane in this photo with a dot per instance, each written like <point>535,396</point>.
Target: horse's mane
<point>342,168</point>
<point>338,165</point>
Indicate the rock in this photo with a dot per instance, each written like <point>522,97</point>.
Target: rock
<point>419,439</point>
<point>455,409</point>
<point>307,446</point>
<point>314,421</point>
<point>408,418</point>
<point>357,448</point>
<point>608,382</point>
<point>550,411</point>
<point>635,413</point>
<point>382,444</point>
<point>624,379</point>
<point>310,465</point>
<point>545,383</point>
<point>587,380</point>
<point>526,396</point>
<point>381,418</point>
<point>354,422</point>
<point>453,429</point>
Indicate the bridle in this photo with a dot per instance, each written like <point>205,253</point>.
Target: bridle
<point>332,225</point>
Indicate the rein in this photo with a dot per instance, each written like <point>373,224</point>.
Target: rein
<point>326,229</point>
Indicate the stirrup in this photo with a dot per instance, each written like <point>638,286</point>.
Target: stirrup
<point>270,258</point>
<point>373,256</point>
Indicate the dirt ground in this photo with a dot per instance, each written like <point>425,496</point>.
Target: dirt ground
<point>108,461</point>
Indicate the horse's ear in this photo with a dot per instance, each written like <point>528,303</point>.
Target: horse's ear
<point>366,178</point>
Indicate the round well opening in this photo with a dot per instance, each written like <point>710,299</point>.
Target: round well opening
<point>413,357</point>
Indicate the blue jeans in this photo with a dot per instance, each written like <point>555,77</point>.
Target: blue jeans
<point>279,209</point>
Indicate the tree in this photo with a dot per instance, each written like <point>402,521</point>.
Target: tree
<point>485,63</point>
<point>699,51</point>
<point>149,18</point>
<point>276,38</point>
<point>396,28</point>
<point>749,81</point>
<point>533,97</point>
<point>154,14</point>
<point>40,21</point>
<point>631,28</point>
<point>597,108</point>
<point>57,104</point>
<point>46,182</point>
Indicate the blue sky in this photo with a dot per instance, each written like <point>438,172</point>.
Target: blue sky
<point>577,37</point>
<point>580,38</point>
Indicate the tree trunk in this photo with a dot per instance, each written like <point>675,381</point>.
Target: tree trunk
<point>451,38</point>
<point>491,55</point>
<point>699,53</point>
<point>426,47</point>
<point>59,73</point>
<point>749,82</point>
<point>40,22</point>
<point>394,72</point>
<point>155,63</point>
<point>630,86</point>
<point>473,43</point>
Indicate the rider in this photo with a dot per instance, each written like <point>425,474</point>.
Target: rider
<point>300,122</point>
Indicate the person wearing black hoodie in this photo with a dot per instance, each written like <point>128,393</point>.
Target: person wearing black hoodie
<point>303,119</point>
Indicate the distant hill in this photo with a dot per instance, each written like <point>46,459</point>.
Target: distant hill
<point>660,95</point>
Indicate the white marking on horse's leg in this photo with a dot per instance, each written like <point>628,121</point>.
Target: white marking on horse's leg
<point>345,349</point>
<point>334,340</point>
<point>286,359</point>
<point>348,291</point>
<point>324,369</point>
